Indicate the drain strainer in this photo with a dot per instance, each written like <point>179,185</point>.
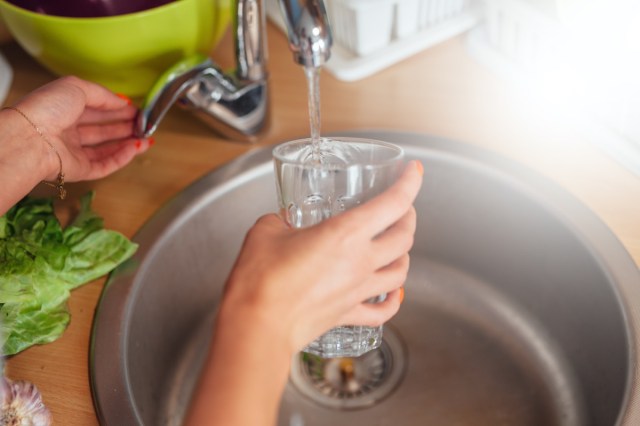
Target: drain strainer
<point>351,383</point>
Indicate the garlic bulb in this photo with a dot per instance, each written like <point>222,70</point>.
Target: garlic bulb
<point>21,404</point>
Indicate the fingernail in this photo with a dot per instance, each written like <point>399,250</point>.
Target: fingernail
<point>401,294</point>
<point>151,141</point>
<point>138,144</point>
<point>124,97</point>
<point>420,168</point>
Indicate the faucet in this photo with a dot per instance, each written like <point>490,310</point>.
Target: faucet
<point>237,104</point>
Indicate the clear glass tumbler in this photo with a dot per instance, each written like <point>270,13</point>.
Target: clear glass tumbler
<point>317,181</point>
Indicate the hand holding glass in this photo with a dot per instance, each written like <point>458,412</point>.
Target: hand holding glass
<point>317,181</point>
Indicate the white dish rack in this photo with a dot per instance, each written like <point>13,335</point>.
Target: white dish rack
<point>370,35</point>
<point>528,41</point>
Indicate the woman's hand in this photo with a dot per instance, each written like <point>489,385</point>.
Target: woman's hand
<point>302,282</point>
<point>289,286</point>
<point>89,126</point>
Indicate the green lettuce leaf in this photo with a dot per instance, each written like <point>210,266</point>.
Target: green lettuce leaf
<point>40,263</point>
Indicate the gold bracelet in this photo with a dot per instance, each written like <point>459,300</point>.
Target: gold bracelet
<point>59,183</point>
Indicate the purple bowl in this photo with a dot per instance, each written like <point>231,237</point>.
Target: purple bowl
<point>87,8</point>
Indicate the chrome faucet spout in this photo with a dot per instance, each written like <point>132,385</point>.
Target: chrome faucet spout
<point>237,104</point>
<point>309,31</point>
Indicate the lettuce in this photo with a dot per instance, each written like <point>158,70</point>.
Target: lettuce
<point>40,263</point>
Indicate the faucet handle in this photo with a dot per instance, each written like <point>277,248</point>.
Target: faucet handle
<point>235,108</point>
<point>167,90</point>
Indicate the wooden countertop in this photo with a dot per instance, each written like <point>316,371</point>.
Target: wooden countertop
<point>441,91</point>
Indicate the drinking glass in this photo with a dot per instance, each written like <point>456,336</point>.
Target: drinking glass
<point>317,180</point>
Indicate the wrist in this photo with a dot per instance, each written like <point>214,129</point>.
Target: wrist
<point>257,326</point>
<point>25,155</point>
<point>252,303</point>
<point>257,339</point>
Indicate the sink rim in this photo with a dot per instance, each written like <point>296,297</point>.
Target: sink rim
<point>594,234</point>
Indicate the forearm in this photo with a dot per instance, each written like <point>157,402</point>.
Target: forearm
<point>24,159</point>
<point>245,374</point>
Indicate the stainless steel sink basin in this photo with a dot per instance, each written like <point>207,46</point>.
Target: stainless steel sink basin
<point>521,306</point>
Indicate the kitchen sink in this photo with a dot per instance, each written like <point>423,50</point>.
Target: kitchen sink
<point>521,307</point>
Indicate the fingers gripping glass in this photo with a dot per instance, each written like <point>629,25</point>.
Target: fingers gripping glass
<point>316,182</point>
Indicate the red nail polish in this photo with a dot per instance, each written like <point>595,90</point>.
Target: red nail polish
<point>124,97</point>
<point>151,141</point>
<point>138,144</point>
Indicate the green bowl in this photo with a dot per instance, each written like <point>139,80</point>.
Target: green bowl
<point>125,53</point>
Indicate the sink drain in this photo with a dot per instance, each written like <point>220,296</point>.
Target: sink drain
<point>351,383</point>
